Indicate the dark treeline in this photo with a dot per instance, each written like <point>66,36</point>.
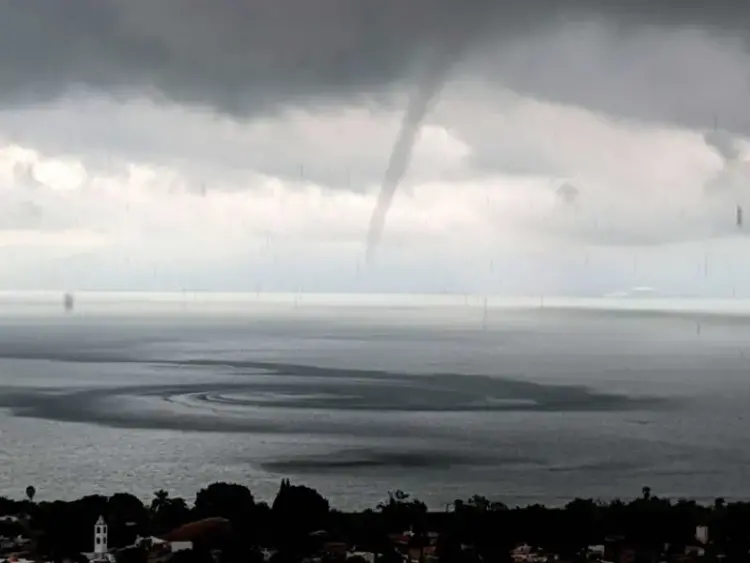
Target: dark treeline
<point>300,520</point>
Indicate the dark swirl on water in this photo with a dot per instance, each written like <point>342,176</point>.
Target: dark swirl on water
<point>277,397</point>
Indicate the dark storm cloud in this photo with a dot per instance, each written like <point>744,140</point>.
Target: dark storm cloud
<point>252,56</point>
<point>236,56</point>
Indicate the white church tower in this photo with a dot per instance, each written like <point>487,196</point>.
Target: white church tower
<point>100,537</point>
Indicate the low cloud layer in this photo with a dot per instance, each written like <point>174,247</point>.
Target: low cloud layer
<point>241,145</point>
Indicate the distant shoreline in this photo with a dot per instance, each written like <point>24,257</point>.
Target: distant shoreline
<point>197,304</point>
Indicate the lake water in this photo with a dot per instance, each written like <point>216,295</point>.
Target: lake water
<point>360,395</point>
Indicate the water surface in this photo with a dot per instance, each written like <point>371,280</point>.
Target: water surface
<point>358,395</point>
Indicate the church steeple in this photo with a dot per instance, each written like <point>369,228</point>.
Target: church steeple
<point>100,536</point>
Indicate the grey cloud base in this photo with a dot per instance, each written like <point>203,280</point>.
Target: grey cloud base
<point>257,56</point>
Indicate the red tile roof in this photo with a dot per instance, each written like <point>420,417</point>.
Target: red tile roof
<point>200,530</point>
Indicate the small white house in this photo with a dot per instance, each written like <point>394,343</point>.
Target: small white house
<point>267,554</point>
<point>366,555</point>
<point>176,546</point>
<point>153,543</point>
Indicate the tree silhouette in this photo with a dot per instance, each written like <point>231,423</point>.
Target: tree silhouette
<point>297,512</point>
<point>168,513</point>
<point>300,508</point>
<point>127,518</point>
<point>227,500</point>
<point>64,529</point>
<point>479,502</point>
<point>160,501</point>
<point>402,512</point>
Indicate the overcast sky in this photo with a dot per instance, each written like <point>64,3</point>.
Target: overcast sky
<point>241,144</point>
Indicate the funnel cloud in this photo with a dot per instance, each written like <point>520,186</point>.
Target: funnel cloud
<point>398,164</point>
<point>448,50</point>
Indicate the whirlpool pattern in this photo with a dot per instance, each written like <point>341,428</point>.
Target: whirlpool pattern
<point>268,397</point>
